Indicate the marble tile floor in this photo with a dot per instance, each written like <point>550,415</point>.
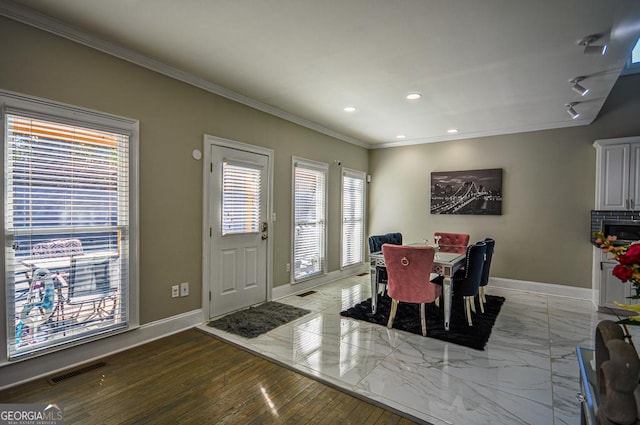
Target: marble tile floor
<point>528,373</point>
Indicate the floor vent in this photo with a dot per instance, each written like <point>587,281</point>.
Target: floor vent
<point>75,372</point>
<point>304,294</point>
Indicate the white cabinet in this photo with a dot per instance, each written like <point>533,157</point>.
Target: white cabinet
<point>618,174</point>
<point>613,289</point>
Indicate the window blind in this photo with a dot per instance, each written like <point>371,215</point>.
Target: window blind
<point>67,229</point>
<point>353,198</point>
<point>240,198</point>
<point>309,218</point>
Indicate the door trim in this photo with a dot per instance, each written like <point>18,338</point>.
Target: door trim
<point>208,143</point>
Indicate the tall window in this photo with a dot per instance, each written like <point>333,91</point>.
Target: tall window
<point>66,225</point>
<point>353,199</point>
<point>309,218</point>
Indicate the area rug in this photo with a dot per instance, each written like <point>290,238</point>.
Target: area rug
<point>408,319</point>
<point>255,321</point>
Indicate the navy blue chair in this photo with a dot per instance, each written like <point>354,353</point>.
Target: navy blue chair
<point>466,283</point>
<point>375,245</point>
<point>484,280</point>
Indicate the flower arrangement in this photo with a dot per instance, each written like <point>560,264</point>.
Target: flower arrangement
<point>627,269</point>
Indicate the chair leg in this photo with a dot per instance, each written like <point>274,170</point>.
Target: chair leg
<point>467,310</point>
<point>423,318</point>
<point>481,303</point>
<point>392,315</point>
<point>482,295</point>
<point>472,303</point>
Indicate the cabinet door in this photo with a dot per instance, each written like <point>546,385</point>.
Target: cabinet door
<point>634,180</point>
<point>614,177</point>
<point>613,289</point>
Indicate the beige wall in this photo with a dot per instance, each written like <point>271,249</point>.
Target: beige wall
<point>548,183</point>
<point>173,119</point>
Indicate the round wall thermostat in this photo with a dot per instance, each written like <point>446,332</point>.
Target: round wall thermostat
<point>196,154</point>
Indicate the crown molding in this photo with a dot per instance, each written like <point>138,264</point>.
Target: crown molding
<point>26,15</point>
<point>478,134</point>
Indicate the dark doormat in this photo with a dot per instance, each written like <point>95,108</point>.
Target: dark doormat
<point>255,321</point>
<point>408,319</point>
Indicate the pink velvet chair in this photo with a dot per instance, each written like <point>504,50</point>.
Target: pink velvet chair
<point>453,242</point>
<point>409,271</point>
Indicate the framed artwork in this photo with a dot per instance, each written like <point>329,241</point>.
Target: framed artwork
<point>477,192</point>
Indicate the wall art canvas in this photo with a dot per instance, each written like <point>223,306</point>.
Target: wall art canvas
<point>477,192</point>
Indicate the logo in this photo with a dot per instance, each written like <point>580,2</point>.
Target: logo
<point>31,414</point>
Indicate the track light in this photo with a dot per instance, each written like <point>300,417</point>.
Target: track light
<point>576,87</point>
<point>572,112</point>
<point>589,48</point>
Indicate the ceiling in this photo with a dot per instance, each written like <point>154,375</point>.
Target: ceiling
<point>483,67</point>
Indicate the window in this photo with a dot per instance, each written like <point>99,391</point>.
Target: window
<point>67,224</point>
<point>240,198</point>
<point>309,218</point>
<point>353,198</point>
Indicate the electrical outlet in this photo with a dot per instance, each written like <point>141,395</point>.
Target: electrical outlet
<point>288,267</point>
<point>175,291</point>
<point>184,289</point>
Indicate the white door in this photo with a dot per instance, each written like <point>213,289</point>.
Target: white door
<point>238,216</point>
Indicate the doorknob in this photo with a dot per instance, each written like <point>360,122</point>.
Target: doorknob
<point>264,236</point>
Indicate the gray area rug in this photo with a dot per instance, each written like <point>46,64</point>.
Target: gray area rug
<point>255,321</point>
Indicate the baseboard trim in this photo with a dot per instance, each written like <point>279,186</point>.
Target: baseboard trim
<point>28,370</point>
<point>293,288</point>
<point>543,288</point>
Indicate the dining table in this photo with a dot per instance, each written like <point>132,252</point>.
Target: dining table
<point>444,263</point>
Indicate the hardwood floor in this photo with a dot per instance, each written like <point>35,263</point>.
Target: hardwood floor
<point>191,377</point>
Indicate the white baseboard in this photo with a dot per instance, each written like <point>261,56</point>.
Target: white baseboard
<point>27,370</point>
<point>543,288</point>
<point>293,288</point>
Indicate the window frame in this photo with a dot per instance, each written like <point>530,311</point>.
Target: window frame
<point>39,108</point>
<point>319,167</point>
<point>361,175</point>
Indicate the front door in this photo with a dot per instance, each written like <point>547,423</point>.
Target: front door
<point>238,216</point>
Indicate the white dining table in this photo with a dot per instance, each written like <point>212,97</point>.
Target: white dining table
<point>444,264</point>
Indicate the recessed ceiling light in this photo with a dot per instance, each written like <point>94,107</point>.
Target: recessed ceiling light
<point>349,109</point>
<point>400,136</point>
<point>452,131</point>
<point>414,96</point>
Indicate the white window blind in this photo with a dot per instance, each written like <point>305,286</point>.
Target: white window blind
<point>353,201</point>
<point>240,198</point>
<point>309,204</point>
<point>66,226</point>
